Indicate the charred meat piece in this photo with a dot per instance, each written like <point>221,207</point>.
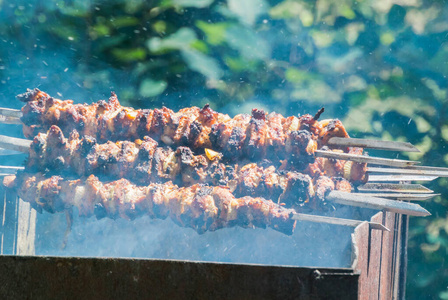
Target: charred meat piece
<point>324,185</point>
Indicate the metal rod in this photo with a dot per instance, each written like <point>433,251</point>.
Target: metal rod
<point>337,221</point>
<point>372,144</point>
<point>365,159</point>
<point>394,188</point>
<point>397,178</point>
<point>400,207</point>
<point>9,112</point>
<point>9,152</point>
<point>399,196</point>
<point>9,120</point>
<point>416,170</point>
<point>15,144</point>
<point>10,169</point>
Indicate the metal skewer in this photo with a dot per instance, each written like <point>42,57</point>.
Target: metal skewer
<point>399,196</point>
<point>10,120</point>
<point>10,170</point>
<point>416,170</point>
<point>394,188</point>
<point>366,159</point>
<point>337,221</point>
<point>397,178</point>
<point>378,203</point>
<point>8,152</point>
<point>9,112</point>
<point>10,143</point>
<point>372,144</point>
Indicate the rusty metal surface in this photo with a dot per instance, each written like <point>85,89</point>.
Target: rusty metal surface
<point>386,272</point>
<point>361,243</point>
<point>380,259</point>
<point>96,278</point>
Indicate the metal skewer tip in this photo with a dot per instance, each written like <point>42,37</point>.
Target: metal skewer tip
<point>373,144</point>
<point>336,221</point>
<point>400,207</point>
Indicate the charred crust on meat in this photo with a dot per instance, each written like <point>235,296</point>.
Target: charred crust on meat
<point>332,125</point>
<point>99,211</point>
<point>102,159</point>
<point>296,191</point>
<point>215,134</point>
<point>207,113</point>
<point>204,191</point>
<point>38,143</point>
<point>29,95</point>
<point>59,163</point>
<point>235,142</point>
<point>258,114</point>
<point>186,155</point>
<point>195,130</point>
<point>319,112</point>
<point>158,121</point>
<point>230,172</point>
<point>300,139</point>
<point>87,143</point>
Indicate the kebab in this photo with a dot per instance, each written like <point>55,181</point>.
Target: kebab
<point>200,207</point>
<point>257,136</point>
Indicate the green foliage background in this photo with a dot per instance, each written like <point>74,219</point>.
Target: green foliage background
<point>380,66</point>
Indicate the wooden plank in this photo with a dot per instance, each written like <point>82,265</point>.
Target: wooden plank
<point>26,229</point>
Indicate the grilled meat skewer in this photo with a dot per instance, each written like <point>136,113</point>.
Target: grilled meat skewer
<point>200,207</point>
<point>257,136</point>
<point>143,163</point>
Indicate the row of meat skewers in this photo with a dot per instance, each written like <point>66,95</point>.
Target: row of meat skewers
<point>203,169</point>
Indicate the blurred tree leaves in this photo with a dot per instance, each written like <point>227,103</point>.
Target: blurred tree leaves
<point>381,66</point>
<point>247,11</point>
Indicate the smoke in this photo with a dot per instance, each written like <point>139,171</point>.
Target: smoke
<point>312,244</point>
<point>29,60</point>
